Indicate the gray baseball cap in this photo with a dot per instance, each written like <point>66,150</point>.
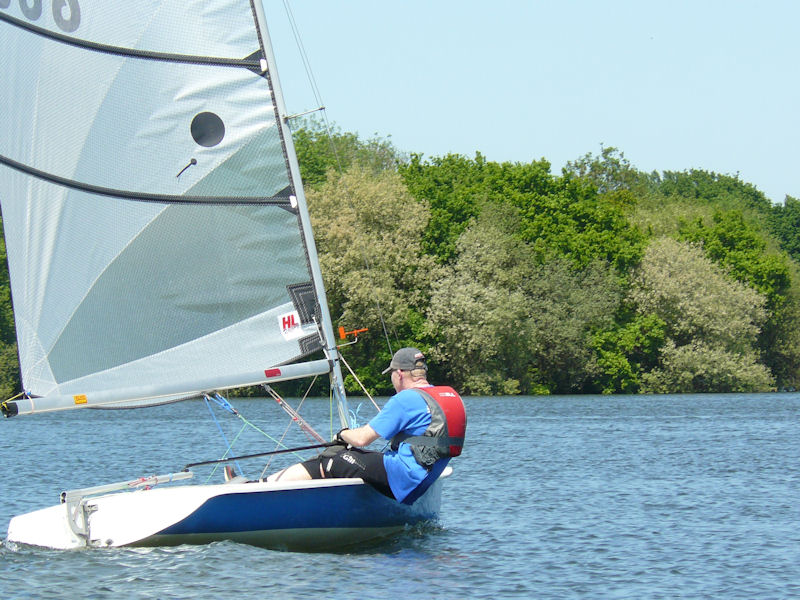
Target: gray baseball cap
<point>407,359</point>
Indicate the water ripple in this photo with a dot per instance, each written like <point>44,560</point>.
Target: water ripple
<point>562,497</point>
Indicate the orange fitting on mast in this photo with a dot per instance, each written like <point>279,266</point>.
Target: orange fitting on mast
<point>343,334</point>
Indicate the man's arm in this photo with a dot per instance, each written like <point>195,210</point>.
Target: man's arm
<point>360,436</point>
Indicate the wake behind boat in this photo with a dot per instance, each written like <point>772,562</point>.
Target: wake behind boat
<point>159,249</point>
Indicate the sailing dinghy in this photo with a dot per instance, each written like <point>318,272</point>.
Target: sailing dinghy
<point>160,248</point>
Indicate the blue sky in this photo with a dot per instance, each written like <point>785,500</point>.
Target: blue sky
<point>674,85</point>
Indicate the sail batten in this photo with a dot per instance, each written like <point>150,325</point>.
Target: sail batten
<point>219,31</point>
<point>250,62</point>
<point>282,198</point>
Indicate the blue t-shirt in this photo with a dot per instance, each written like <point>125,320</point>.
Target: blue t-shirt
<point>405,412</point>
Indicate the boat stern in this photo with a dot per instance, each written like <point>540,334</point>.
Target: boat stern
<point>47,527</point>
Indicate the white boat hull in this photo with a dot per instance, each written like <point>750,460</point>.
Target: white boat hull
<point>307,515</point>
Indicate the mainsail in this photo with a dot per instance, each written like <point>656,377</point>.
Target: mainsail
<point>156,228</point>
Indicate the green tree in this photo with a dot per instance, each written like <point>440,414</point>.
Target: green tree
<point>784,222</point>
<point>577,223</point>
<point>320,151</point>
<point>506,323</point>
<point>560,216</point>
<point>478,315</point>
<point>570,306</point>
<point>738,247</point>
<point>368,232</point>
<point>10,383</point>
<point>668,200</point>
<point>456,187</point>
<point>608,172</point>
<point>743,251</point>
<point>725,192</point>
<point>708,317</point>
<point>9,371</point>
<point>782,336</point>
<point>698,368</point>
<point>631,347</point>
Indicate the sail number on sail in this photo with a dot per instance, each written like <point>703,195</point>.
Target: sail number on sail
<point>66,13</point>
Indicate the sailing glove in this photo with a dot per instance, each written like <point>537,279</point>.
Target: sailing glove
<point>338,437</point>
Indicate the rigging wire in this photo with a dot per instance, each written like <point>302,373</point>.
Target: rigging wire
<point>303,54</point>
<point>285,431</point>
<point>363,388</point>
<point>268,436</point>
<point>328,132</point>
<point>223,403</point>
<point>297,411</point>
<point>307,429</point>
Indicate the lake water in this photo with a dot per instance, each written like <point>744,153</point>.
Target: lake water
<point>692,496</point>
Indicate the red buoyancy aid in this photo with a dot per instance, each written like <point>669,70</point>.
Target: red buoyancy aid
<point>444,437</point>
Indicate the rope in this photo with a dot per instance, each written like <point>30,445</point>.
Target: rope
<point>4,408</point>
<point>227,406</point>
<point>222,460</point>
<point>268,436</point>
<point>307,429</point>
<point>364,389</point>
<point>223,402</point>
<point>296,418</point>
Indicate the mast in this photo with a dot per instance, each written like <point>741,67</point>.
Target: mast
<point>329,340</point>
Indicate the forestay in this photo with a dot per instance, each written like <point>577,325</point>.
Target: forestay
<point>156,229</point>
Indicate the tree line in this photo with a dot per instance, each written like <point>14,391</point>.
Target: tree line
<point>516,280</point>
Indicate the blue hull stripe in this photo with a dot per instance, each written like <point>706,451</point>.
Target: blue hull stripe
<point>347,506</point>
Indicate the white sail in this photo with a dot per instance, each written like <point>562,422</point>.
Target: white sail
<point>154,219</point>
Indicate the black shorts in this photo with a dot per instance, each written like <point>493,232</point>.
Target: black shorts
<point>354,462</point>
